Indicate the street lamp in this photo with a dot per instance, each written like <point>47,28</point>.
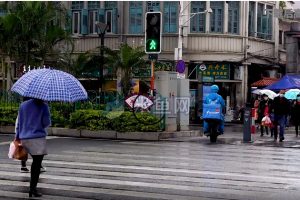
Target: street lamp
<point>102,28</point>
<point>182,24</point>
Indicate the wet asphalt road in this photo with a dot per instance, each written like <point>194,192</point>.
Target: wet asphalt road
<point>182,168</point>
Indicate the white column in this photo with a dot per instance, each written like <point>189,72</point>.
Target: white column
<point>207,18</point>
<point>226,17</point>
<point>275,34</point>
<point>255,19</point>
<point>180,30</point>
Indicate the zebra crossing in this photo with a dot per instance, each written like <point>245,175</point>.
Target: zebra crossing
<point>136,170</point>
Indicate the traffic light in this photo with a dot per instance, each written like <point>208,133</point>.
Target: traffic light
<point>153,32</point>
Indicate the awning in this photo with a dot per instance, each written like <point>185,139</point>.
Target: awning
<point>264,82</point>
<point>291,81</point>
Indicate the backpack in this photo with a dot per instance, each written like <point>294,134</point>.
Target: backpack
<point>212,110</point>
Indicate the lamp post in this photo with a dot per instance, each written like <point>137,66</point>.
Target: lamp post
<point>102,28</point>
<point>182,25</point>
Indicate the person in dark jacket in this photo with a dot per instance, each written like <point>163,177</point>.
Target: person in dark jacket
<point>264,109</point>
<point>295,114</point>
<point>281,108</point>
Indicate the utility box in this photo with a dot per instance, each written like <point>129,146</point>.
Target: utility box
<point>166,87</point>
<point>247,124</point>
<point>183,102</point>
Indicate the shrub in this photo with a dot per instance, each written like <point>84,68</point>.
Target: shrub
<point>62,116</point>
<point>8,116</point>
<point>89,119</point>
<point>127,122</point>
<point>60,113</point>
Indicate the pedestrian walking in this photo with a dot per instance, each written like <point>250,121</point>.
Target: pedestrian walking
<point>281,109</point>
<point>33,119</point>
<point>24,168</point>
<point>264,109</point>
<point>295,114</point>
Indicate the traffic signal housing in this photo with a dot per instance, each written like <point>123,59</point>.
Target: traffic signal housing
<point>153,32</point>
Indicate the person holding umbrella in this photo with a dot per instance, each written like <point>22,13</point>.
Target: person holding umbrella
<point>295,113</point>
<point>34,116</point>
<point>33,119</point>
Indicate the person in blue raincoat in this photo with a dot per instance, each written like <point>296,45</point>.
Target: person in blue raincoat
<point>215,97</point>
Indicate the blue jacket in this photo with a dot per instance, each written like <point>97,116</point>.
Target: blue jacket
<point>33,119</point>
<point>214,96</point>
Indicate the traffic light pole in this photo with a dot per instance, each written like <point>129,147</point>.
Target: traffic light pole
<point>152,58</point>
<point>152,77</point>
<point>153,29</point>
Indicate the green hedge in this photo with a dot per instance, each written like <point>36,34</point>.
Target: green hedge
<point>127,122</point>
<point>90,119</point>
<point>8,116</point>
<point>63,116</point>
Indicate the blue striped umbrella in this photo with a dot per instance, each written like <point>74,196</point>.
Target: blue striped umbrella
<point>50,85</point>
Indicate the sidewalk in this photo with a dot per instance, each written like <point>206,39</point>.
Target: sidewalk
<point>234,136</point>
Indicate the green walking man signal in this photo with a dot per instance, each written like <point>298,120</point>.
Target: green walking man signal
<point>153,45</point>
<point>153,32</point>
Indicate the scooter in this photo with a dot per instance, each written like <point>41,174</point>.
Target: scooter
<point>213,127</point>
<point>212,115</point>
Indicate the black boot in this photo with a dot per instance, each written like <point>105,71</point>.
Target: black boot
<point>34,193</point>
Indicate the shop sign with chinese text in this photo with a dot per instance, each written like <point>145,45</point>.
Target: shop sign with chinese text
<point>217,71</point>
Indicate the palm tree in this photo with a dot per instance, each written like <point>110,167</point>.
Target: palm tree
<point>30,23</point>
<point>124,61</point>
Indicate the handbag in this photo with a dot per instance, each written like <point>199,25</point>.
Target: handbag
<point>12,149</point>
<point>19,153</point>
<point>266,121</point>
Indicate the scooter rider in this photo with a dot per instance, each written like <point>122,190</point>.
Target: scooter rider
<point>215,98</point>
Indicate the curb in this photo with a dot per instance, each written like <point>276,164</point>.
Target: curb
<point>146,136</point>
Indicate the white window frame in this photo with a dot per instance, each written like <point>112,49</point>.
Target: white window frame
<point>78,24</point>
<point>92,22</point>
<point>111,20</point>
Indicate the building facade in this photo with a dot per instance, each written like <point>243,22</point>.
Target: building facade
<point>234,45</point>
<point>229,43</point>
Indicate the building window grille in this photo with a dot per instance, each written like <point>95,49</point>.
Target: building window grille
<point>77,5</point>
<point>233,17</point>
<point>216,17</point>
<point>153,6</point>
<point>198,21</point>
<point>251,24</point>
<point>264,22</point>
<point>170,16</point>
<point>111,4</point>
<point>93,17</point>
<point>135,17</point>
<point>93,5</point>
<point>76,23</point>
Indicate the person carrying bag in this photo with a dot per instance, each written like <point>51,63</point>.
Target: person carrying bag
<point>17,151</point>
